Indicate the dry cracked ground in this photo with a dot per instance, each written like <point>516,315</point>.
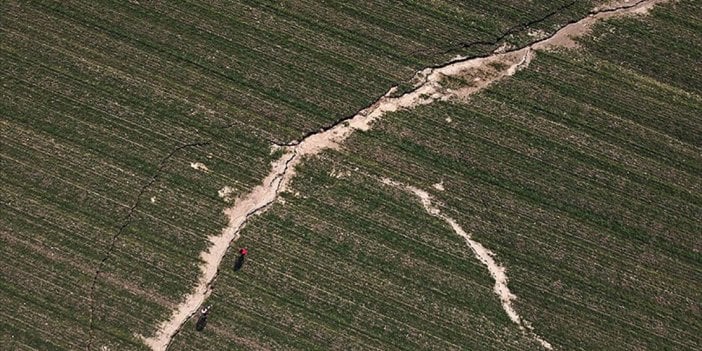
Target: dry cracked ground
<point>538,189</point>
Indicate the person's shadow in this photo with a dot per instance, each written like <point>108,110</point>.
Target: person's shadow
<point>201,323</point>
<point>239,262</point>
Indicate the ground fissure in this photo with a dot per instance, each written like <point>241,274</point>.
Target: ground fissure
<point>475,73</point>
<point>125,223</point>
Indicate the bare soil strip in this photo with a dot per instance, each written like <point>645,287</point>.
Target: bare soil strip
<point>254,203</point>
<point>484,255</point>
<point>432,84</point>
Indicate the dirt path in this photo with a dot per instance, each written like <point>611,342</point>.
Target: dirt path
<point>457,79</point>
<point>483,255</point>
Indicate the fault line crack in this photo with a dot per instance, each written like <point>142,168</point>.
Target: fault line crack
<point>259,199</point>
<point>125,223</point>
<point>519,28</point>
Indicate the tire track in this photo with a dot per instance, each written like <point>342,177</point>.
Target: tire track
<point>474,73</point>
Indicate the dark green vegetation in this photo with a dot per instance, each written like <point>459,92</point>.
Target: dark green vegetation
<point>105,104</point>
<point>583,173</point>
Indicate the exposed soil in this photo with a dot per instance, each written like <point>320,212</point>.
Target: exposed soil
<point>566,36</point>
<point>253,203</point>
<point>432,84</point>
<point>199,166</point>
<point>226,193</point>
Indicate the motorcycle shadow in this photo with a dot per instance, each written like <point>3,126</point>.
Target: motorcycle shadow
<point>201,323</point>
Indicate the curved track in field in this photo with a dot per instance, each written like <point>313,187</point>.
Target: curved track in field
<point>476,72</point>
<point>484,255</point>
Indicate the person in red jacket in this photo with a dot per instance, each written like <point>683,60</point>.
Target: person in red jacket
<point>240,260</point>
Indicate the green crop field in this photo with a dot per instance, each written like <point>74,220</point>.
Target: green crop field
<point>122,122</point>
<point>106,107</point>
<point>583,174</point>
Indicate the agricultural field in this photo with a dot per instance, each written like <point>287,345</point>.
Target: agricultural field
<point>582,174</point>
<point>122,122</point>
